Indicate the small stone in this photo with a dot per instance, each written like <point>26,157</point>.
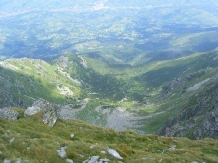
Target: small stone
<point>172,148</point>
<point>114,153</point>
<point>105,160</point>
<point>72,135</point>
<point>93,146</point>
<point>28,148</point>
<point>81,155</point>
<point>18,160</point>
<point>148,158</point>
<point>103,152</point>
<point>62,153</point>
<point>69,160</point>
<point>86,161</point>
<point>145,158</point>
<point>5,135</point>
<point>160,161</point>
<point>11,141</point>
<point>94,159</point>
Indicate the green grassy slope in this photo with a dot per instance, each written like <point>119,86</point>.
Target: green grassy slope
<point>25,80</point>
<point>36,142</point>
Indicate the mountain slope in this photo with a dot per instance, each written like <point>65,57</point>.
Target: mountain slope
<point>25,80</point>
<point>29,139</point>
<point>105,92</point>
<point>198,117</point>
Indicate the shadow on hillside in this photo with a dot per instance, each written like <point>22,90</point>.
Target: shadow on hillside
<point>158,77</point>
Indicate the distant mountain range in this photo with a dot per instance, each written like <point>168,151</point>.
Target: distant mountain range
<point>47,29</point>
<point>13,5</point>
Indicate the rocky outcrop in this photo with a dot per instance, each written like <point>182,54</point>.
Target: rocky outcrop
<point>31,111</point>
<point>8,114</point>
<point>167,91</point>
<point>83,62</point>
<point>51,112</point>
<point>196,122</point>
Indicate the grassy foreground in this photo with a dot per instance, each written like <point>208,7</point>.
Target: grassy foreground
<point>36,142</point>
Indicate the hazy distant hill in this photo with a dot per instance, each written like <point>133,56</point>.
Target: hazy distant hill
<point>13,5</point>
<point>47,29</point>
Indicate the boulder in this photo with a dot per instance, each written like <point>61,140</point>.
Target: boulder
<point>51,112</point>
<point>8,114</point>
<point>31,111</point>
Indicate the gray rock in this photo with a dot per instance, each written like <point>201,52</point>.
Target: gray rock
<point>51,112</point>
<point>86,161</point>
<point>105,160</point>
<point>114,153</point>
<point>69,160</point>
<point>18,160</point>
<point>11,140</point>
<point>8,114</point>
<point>72,135</point>
<point>172,148</point>
<point>31,111</point>
<point>103,152</point>
<point>6,161</point>
<point>62,153</point>
<point>5,134</point>
<point>93,146</point>
<point>94,159</point>
<point>147,158</point>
